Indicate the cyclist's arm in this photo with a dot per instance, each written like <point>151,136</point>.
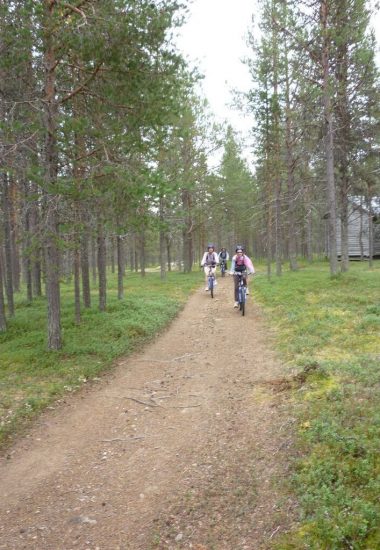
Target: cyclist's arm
<point>249,265</point>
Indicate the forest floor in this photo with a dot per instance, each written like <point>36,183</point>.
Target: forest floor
<point>183,445</point>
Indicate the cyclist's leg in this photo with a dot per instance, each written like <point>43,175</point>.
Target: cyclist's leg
<point>213,271</point>
<point>205,269</point>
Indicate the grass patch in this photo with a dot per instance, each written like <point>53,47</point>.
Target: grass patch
<point>334,325</point>
<point>32,377</point>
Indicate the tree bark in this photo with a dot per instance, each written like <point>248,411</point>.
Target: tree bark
<point>290,166</point>
<point>85,266</point>
<point>28,247</point>
<point>102,269</point>
<point>169,253</point>
<point>329,139</point>
<point>51,200</point>
<point>77,283</point>
<point>162,240</point>
<point>187,231</point>
<point>16,270</point>
<point>120,267</point>
<point>142,253</point>
<point>8,247</point>
<point>3,321</point>
<point>36,239</point>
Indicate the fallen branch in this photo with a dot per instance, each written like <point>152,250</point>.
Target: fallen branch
<point>184,406</point>
<point>142,402</point>
<point>121,439</point>
<point>170,360</point>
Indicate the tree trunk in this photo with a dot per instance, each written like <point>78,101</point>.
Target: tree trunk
<point>85,266</point>
<point>36,240</point>
<point>102,268</point>
<point>93,259</point>
<point>277,161</point>
<point>77,282</point>
<point>120,267</point>
<point>8,247</point>
<point>329,140</point>
<point>112,253</point>
<point>162,240</point>
<point>16,270</point>
<point>3,321</point>
<point>290,166</point>
<point>142,253</point>
<point>344,228</point>
<point>370,228</point>
<point>169,253</point>
<point>187,231</point>
<point>28,247</point>
<point>51,200</point>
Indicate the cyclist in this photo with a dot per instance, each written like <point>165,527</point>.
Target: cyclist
<point>240,263</point>
<point>223,256</point>
<point>210,259</point>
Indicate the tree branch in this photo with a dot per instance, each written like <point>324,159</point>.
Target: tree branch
<point>83,85</point>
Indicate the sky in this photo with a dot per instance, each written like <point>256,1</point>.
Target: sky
<point>214,38</point>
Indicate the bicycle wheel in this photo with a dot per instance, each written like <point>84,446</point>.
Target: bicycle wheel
<point>243,300</point>
<point>211,286</point>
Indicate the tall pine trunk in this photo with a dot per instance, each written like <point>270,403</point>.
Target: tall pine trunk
<point>8,247</point>
<point>290,167</point>
<point>28,246</point>
<point>329,138</point>
<point>162,240</point>
<point>36,240</point>
<point>102,267</point>
<point>120,267</point>
<point>50,199</point>
<point>85,265</point>
<point>3,321</point>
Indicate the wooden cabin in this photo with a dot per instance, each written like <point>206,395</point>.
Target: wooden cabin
<point>358,231</point>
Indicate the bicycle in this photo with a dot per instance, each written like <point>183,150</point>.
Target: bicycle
<point>223,268</point>
<point>242,290</point>
<point>211,280</point>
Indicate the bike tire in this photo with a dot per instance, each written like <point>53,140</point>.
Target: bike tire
<point>211,286</point>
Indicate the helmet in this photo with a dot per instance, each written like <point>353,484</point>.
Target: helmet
<point>210,245</point>
<point>239,247</point>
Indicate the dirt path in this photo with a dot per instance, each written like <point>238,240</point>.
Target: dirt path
<point>181,447</point>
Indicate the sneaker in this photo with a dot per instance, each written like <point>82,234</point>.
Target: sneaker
<point>247,291</point>
<point>236,304</point>
<point>206,289</point>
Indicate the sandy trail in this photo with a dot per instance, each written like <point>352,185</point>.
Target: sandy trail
<point>181,446</point>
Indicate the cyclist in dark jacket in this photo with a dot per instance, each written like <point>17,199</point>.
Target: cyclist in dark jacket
<point>223,256</point>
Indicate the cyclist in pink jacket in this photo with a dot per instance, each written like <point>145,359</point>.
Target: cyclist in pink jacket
<point>240,263</point>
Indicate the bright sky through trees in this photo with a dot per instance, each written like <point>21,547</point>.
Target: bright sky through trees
<point>215,36</point>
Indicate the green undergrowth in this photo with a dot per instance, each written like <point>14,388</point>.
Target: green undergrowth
<point>32,377</point>
<point>328,329</point>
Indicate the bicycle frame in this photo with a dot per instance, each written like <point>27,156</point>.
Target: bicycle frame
<point>211,281</point>
<point>242,290</point>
